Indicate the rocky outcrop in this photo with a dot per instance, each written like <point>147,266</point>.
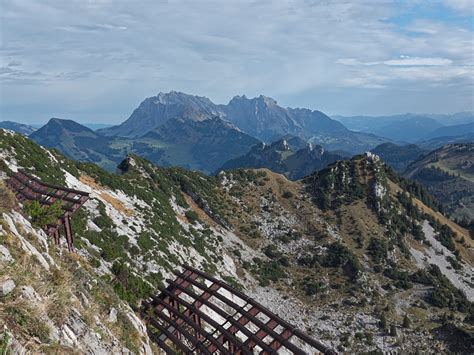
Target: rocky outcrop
<point>6,286</point>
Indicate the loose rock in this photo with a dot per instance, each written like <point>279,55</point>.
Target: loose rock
<point>6,286</point>
<point>112,315</point>
<point>5,255</point>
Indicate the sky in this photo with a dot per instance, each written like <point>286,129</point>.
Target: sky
<point>96,60</point>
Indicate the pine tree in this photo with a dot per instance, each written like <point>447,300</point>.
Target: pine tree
<point>383,322</point>
<point>406,322</point>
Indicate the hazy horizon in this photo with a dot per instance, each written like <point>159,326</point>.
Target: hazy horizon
<point>39,123</point>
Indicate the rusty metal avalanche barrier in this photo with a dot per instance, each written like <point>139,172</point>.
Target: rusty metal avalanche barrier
<point>199,314</point>
<point>30,188</point>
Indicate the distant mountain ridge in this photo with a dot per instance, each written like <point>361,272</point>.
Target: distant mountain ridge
<point>411,128</point>
<point>398,156</point>
<point>155,111</point>
<point>285,156</point>
<point>452,131</point>
<point>78,142</point>
<point>195,144</point>
<point>260,117</point>
<point>448,173</point>
<point>17,127</point>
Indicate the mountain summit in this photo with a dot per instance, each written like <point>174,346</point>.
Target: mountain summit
<point>155,111</point>
<point>286,156</point>
<point>260,117</point>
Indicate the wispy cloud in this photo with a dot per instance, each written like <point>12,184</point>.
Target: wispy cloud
<point>91,28</point>
<point>105,57</point>
<point>401,61</point>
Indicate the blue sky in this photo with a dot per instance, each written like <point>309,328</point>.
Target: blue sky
<point>95,61</point>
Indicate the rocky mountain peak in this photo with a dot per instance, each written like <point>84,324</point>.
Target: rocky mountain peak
<point>258,100</point>
<point>177,97</point>
<point>281,145</point>
<point>56,125</point>
<point>155,111</point>
<point>315,150</point>
<point>267,100</point>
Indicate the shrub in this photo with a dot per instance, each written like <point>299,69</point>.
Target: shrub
<point>401,277</point>
<point>454,262</point>
<point>270,271</point>
<point>311,287</point>
<point>42,216</point>
<point>129,287</point>
<point>192,216</point>
<point>339,255</point>
<point>377,249</point>
<point>271,251</point>
<point>445,236</point>
<point>444,294</point>
<point>406,322</point>
<point>287,194</point>
<point>145,242</point>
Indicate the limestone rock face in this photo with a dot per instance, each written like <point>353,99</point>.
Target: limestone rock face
<point>5,255</point>
<point>112,315</point>
<point>6,286</point>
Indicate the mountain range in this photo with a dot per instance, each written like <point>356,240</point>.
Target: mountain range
<point>259,117</point>
<point>17,127</point>
<point>448,174</point>
<point>177,129</point>
<point>412,128</point>
<point>398,156</point>
<point>290,156</point>
<point>203,145</point>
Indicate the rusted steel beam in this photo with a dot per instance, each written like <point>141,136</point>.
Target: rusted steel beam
<point>261,333</point>
<point>190,275</point>
<point>39,187</point>
<point>28,195</point>
<point>31,188</point>
<point>191,315</point>
<point>195,342</point>
<point>196,303</point>
<point>228,317</point>
<point>206,336</point>
<point>161,343</point>
<point>297,333</point>
<point>170,336</point>
<point>243,320</point>
<point>314,343</point>
<point>286,334</point>
<point>264,328</point>
<point>57,236</point>
<point>68,232</point>
<point>229,337</point>
<point>30,177</point>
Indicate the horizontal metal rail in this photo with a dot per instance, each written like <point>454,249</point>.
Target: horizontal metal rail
<point>45,191</point>
<point>227,317</point>
<point>192,339</point>
<point>52,185</point>
<point>263,327</point>
<point>296,332</point>
<point>206,335</point>
<point>229,337</point>
<point>191,290</point>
